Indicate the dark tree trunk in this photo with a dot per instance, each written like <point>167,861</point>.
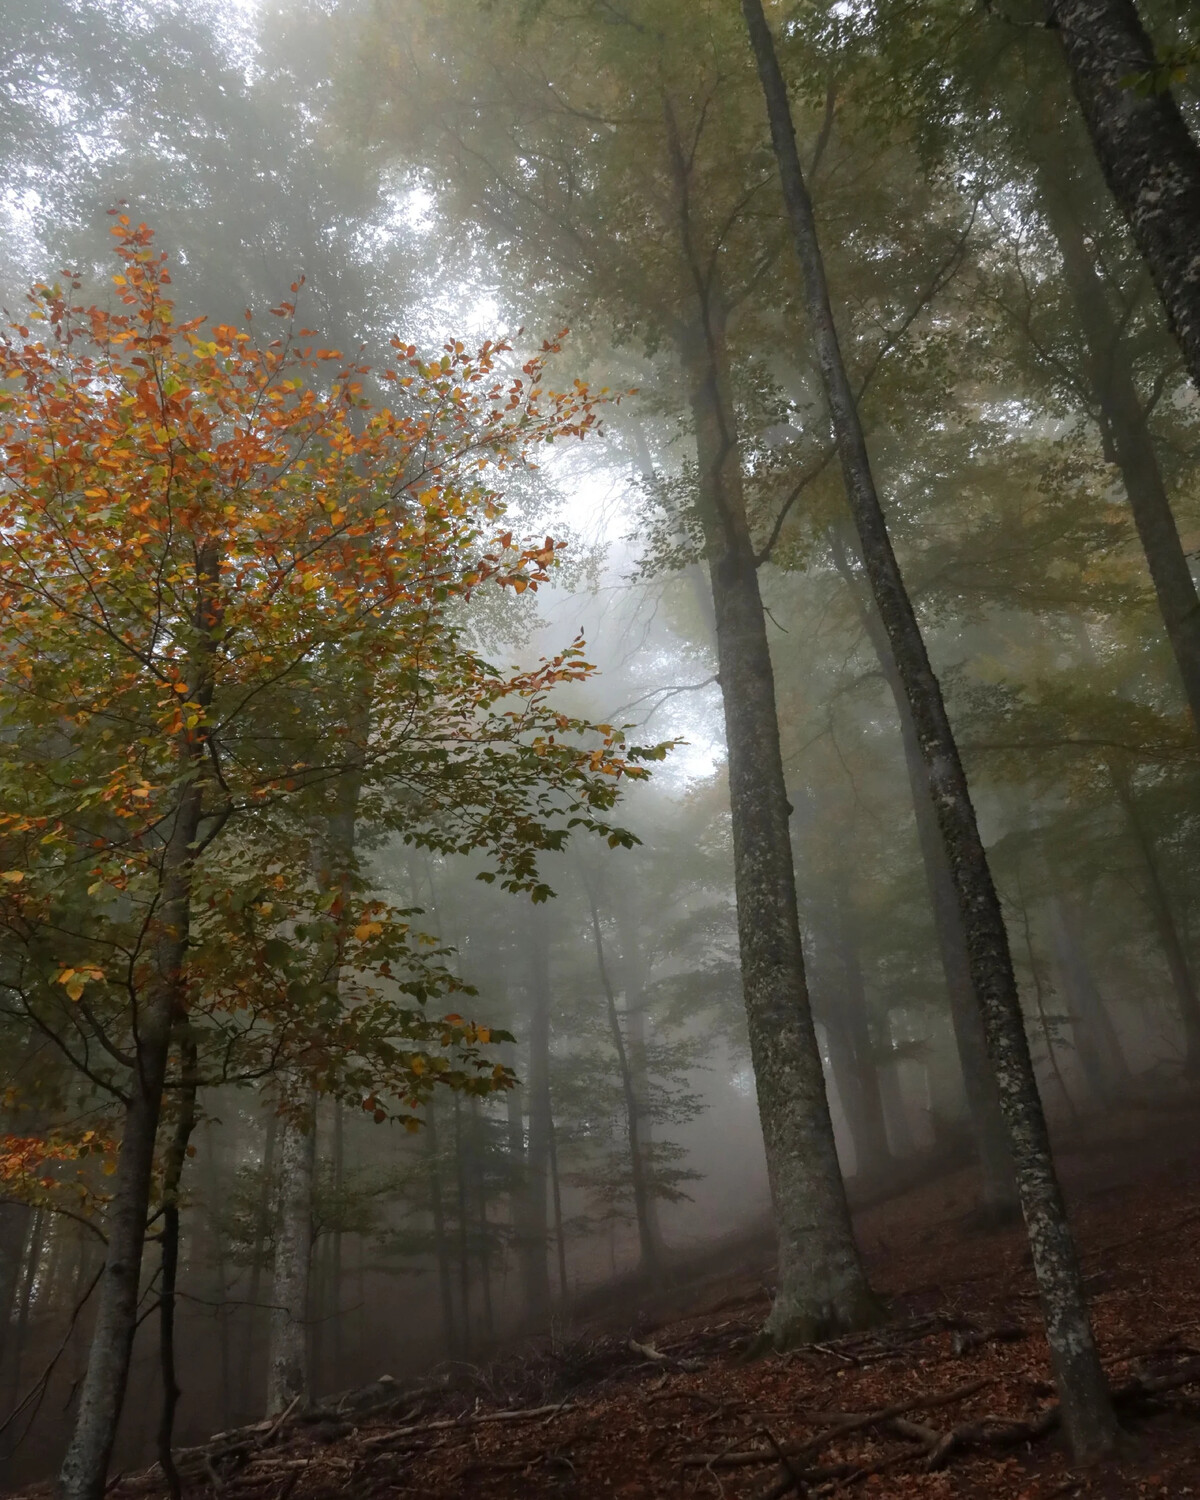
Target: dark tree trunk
<point>335,1242</point>
<point>1087,1410</point>
<point>173,1164</point>
<point>531,1225</point>
<point>1149,157</point>
<point>822,1287</point>
<point>1108,365</point>
<point>998,1188</point>
<point>14,1231</point>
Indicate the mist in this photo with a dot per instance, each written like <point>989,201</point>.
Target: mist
<point>655,545</point>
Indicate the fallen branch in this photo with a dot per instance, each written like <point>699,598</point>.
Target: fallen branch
<point>656,1356</point>
<point>448,1424</point>
<point>832,1433</point>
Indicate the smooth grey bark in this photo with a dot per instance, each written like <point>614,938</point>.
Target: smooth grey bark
<point>1095,1037</point>
<point>531,1224</point>
<point>822,1286</point>
<point>1108,370</point>
<point>1083,1393</point>
<point>102,1393</point>
<point>998,1187</point>
<point>289,1355</point>
<point>1149,158</point>
<point>174,1161</point>
<point>287,1346</point>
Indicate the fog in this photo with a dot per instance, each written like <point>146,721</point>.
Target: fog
<point>633,991</point>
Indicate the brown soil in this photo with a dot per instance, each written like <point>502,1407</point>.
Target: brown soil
<point>594,1414</point>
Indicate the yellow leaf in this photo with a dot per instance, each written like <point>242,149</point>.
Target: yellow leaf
<point>109,1167</point>
<point>14,877</point>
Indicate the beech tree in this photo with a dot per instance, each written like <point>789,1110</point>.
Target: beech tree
<point>1150,159</point>
<point>192,528</point>
<point>1087,1411</point>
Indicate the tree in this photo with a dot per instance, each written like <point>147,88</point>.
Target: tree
<point>192,529</point>
<point>1149,157</point>
<point>1087,1411</point>
<point>622,104</point>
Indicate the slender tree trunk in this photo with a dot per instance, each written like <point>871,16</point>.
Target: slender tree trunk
<point>560,1235</point>
<point>161,1007</point>
<point>441,1244</point>
<point>1109,368</point>
<point>213,1183</point>
<point>851,1018</point>
<point>262,1227</point>
<point>335,1239</point>
<point>1163,917</point>
<point>1095,1037</point>
<point>998,1187</point>
<point>637,1174</point>
<point>287,1351</point>
<point>531,1228</point>
<point>15,1221</point>
<point>31,1260</point>
<point>462,1219</point>
<point>289,1372</point>
<point>1087,1410</point>
<point>1148,156</point>
<point>822,1287</point>
<point>480,1154</point>
<point>173,1164</point>
<point>634,974</point>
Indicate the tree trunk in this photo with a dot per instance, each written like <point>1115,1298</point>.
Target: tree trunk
<point>531,1225</point>
<point>441,1244</point>
<point>262,1227</point>
<point>851,1019</point>
<point>173,1164</point>
<point>998,1187</point>
<point>633,970</point>
<point>287,1351</point>
<point>1087,1410</point>
<point>1163,917</point>
<point>560,1234</point>
<point>14,1231</point>
<point>1095,1037</point>
<point>633,1117</point>
<point>462,1220</point>
<point>1147,154</point>
<point>335,1242</point>
<point>822,1287</point>
<point>1108,365</point>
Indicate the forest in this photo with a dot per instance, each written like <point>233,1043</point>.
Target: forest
<point>599,764</point>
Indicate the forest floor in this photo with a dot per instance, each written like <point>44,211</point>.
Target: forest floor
<point>950,1397</point>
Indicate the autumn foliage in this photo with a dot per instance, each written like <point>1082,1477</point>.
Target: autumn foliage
<point>226,574</point>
